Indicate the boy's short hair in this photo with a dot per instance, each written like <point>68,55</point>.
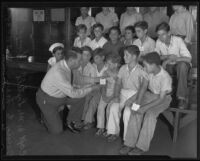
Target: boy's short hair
<point>87,48</point>
<point>133,50</point>
<point>114,58</point>
<point>71,54</point>
<point>98,25</point>
<point>152,58</point>
<point>57,48</point>
<point>81,27</point>
<point>116,29</point>
<point>141,24</point>
<point>76,49</point>
<point>163,26</point>
<point>99,51</point>
<point>131,28</point>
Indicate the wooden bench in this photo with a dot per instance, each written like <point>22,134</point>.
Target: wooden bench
<point>179,118</point>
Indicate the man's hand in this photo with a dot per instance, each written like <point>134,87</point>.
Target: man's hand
<point>96,87</point>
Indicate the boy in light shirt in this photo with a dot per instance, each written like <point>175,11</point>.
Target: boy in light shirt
<point>142,122</point>
<point>108,91</point>
<point>93,99</point>
<point>182,23</point>
<point>144,42</point>
<point>130,17</point>
<point>99,40</point>
<point>176,59</point>
<point>82,39</point>
<point>130,77</point>
<point>85,19</point>
<point>107,18</point>
<point>57,51</point>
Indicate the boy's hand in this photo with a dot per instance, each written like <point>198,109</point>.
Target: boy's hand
<point>129,102</point>
<point>116,100</point>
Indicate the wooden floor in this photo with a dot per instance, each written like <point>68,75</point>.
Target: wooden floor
<point>25,136</point>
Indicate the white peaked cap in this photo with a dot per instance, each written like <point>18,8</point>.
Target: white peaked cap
<point>53,46</point>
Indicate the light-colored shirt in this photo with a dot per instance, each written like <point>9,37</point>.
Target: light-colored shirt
<point>52,61</point>
<point>132,79</point>
<point>56,82</point>
<point>97,44</point>
<point>176,47</point>
<point>88,21</point>
<point>88,71</point>
<point>161,82</point>
<point>154,19</point>
<point>106,20</point>
<point>78,43</point>
<point>182,24</point>
<point>126,20</point>
<point>100,73</point>
<point>147,46</point>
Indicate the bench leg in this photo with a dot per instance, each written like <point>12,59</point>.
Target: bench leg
<point>176,126</point>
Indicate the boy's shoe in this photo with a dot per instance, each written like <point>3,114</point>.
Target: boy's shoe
<point>100,131</point>
<point>105,134</point>
<point>88,126</point>
<point>72,128</point>
<point>136,151</point>
<point>112,138</point>
<point>125,149</point>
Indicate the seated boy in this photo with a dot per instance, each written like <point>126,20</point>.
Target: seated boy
<point>99,40</point>
<point>108,91</point>
<point>176,59</point>
<point>92,100</point>
<point>57,51</point>
<point>144,42</point>
<point>130,78</point>
<point>82,39</point>
<point>142,122</point>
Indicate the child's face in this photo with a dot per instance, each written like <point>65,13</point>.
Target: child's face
<point>98,32</point>
<point>128,58</point>
<point>128,34</point>
<point>162,35</point>
<point>86,56</point>
<point>98,59</point>
<point>111,65</point>
<point>149,68</point>
<point>58,55</point>
<point>140,32</point>
<point>82,34</point>
<point>114,35</point>
<point>84,11</point>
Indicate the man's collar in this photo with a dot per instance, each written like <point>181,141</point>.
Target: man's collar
<point>66,65</point>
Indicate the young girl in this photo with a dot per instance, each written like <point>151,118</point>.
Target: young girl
<point>99,40</point>
<point>93,98</point>
<point>82,39</point>
<point>57,51</point>
<point>108,92</point>
<point>129,35</point>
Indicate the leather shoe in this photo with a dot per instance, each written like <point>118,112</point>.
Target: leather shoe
<point>71,127</point>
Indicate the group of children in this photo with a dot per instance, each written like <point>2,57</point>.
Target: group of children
<point>135,85</point>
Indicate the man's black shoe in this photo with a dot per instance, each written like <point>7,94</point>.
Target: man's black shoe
<point>72,128</point>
